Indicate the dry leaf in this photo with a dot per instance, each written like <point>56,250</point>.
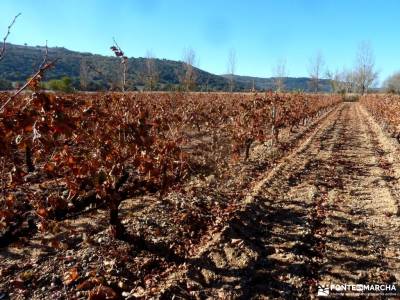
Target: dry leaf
<point>103,293</point>
<point>72,276</point>
<point>86,285</point>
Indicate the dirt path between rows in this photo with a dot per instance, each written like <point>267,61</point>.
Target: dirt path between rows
<point>327,214</point>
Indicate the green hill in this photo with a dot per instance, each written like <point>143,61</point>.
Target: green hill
<point>103,72</point>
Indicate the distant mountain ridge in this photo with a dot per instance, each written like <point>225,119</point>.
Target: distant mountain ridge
<point>289,83</point>
<point>103,73</point>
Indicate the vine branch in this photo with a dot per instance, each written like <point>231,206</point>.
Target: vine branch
<point>3,48</point>
<point>35,79</point>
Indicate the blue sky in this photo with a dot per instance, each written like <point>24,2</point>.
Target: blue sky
<point>261,32</point>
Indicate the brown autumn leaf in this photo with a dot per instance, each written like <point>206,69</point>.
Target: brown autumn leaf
<point>10,200</point>
<point>71,161</point>
<point>18,283</point>
<point>49,167</point>
<point>28,128</point>
<point>71,276</point>
<point>103,292</point>
<point>42,212</point>
<point>86,285</point>
<point>55,243</point>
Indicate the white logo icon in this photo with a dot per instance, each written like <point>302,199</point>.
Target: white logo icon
<point>323,291</point>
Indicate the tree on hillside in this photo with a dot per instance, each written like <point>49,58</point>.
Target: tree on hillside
<point>348,80</point>
<point>341,81</point>
<point>279,73</point>
<point>5,84</point>
<point>231,67</point>
<point>315,67</point>
<point>63,85</point>
<point>188,79</point>
<point>392,83</point>
<point>334,80</point>
<point>365,74</point>
<point>3,47</point>
<point>83,74</point>
<point>151,73</point>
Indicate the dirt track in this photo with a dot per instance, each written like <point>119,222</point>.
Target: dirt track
<point>328,213</point>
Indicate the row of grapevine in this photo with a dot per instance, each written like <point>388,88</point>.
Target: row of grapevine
<point>60,152</point>
<point>386,110</point>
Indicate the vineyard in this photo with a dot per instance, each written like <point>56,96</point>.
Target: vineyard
<point>386,111</point>
<point>196,195</point>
